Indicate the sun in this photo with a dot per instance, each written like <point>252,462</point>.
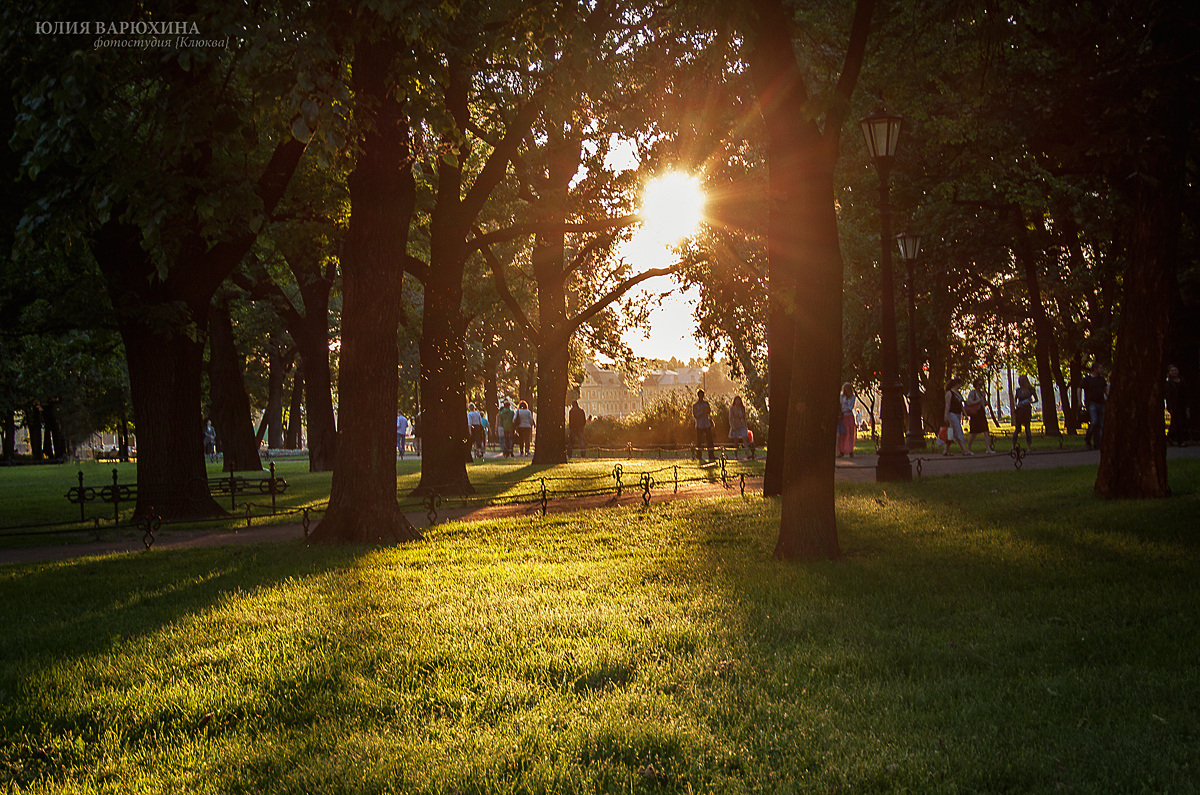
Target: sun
<point>672,207</point>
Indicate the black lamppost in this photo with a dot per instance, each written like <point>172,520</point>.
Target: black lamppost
<point>910,247</point>
<point>882,130</point>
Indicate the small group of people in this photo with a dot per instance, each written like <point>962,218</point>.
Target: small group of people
<point>974,406</point>
<point>739,432</point>
<point>514,428</point>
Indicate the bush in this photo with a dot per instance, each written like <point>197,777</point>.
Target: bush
<point>666,421</point>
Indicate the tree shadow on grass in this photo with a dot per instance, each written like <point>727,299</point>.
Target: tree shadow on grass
<point>77,607</point>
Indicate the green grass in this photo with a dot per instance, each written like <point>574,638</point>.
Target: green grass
<point>987,633</point>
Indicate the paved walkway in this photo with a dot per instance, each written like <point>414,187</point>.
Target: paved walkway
<point>858,469</point>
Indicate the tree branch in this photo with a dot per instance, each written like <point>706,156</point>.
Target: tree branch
<point>863,10</point>
<point>531,333</point>
<point>521,230</point>
<point>612,295</point>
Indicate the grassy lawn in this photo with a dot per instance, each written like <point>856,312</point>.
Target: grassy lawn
<point>988,633</point>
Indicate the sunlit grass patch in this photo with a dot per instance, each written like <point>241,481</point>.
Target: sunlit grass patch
<point>1027,640</point>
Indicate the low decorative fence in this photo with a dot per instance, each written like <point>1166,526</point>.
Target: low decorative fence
<point>534,493</point>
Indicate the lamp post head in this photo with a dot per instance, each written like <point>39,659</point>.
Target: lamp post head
<point>882,131</point>
<point>910,246</point>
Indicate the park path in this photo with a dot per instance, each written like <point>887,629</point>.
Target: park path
<point>858,469</point>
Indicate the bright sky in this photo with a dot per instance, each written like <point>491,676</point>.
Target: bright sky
<point>671,205</point>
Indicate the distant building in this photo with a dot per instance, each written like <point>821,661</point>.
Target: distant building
<point>604,394</point>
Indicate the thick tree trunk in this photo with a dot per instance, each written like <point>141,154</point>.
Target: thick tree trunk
<point>161,322</point>
<point>443,377</point>
<point>362,500</point>
<point>1133,449</point>
<point>553,343</point>
<point>804,242</point>
<point>227,390</point>
<point>164,378</point>
<point>553,359</point>
<point>295,410</point>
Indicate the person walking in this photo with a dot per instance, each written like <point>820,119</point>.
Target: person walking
<point>475,428</point>
<point>738,431</point>
<point>849,435</point>
<point>505,420</point>
<point>1177,404</point>
<point>1022,412</point>
<point>523,424</point>
<point>1095,397</point>
<point>576,422</point>
<point>953,417</point>
<point>976,408</point>
<point>401,433</point>
<point>702,412</point>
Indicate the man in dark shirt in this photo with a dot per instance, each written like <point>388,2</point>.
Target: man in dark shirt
<point>1095,395</point>
<point>703,414</point>
<point>576,420</point>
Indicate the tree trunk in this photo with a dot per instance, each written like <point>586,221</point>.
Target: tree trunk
<point>443,377</point>
<point>10,435</point>
<point>553,361</point>
<point>444,445</point>
<point>33,424</point>
<point>490,397</point>
<point>803,240</point>
<point>362,500</point>
<point>54,434</point>
<point>295,409</point>
<point>161,322</point>
<point>564,155</point>
<point>1133,449</point>
<point>164,380</point>
<point>310,332</point>
<point>277,372</point>
<point>227,390</point>
<point>1042,328</point>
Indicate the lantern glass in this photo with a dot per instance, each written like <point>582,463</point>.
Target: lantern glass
<point>882,131</point>
<point>910,245</point>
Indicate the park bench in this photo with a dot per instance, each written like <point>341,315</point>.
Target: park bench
<point>234,486</point>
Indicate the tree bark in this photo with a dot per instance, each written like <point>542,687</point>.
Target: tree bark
<point>362,501</point>
<point>1133,449</point>
<point>295,409</point>
<point>802,159</point>
<point>227,390</point>
<point>310,332</point>
<point>1042,328</point>
<point>10,435</point>
<point>33,424</point>
<point>278,366</point>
